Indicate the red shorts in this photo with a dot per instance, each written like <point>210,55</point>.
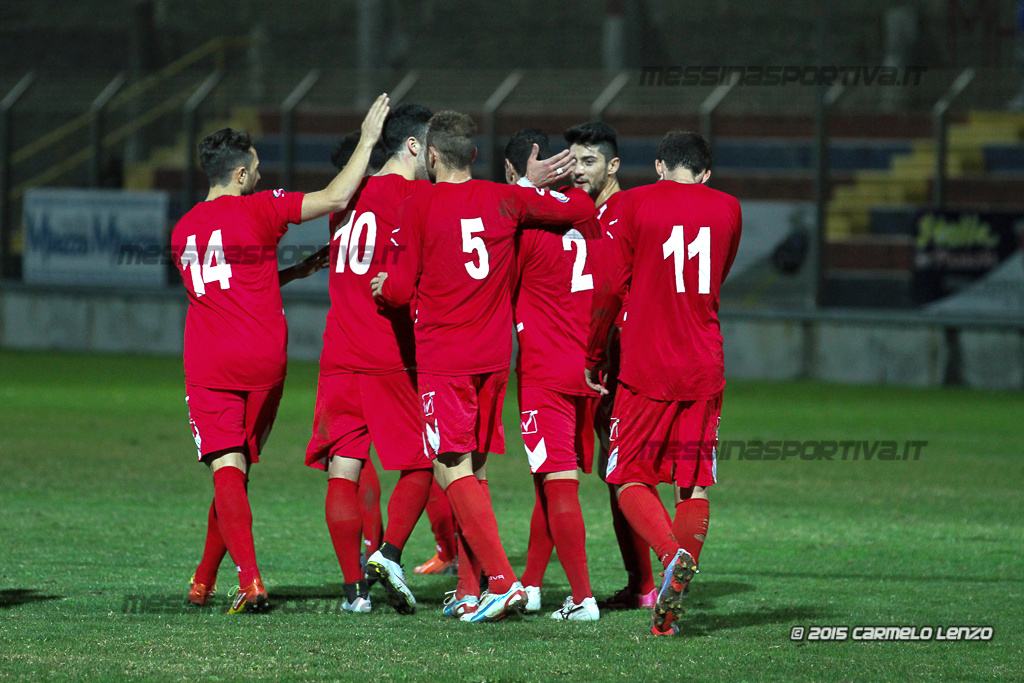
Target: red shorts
<point>354,409</point>
<point>558,429</point>
<point>462,414</point>
<point>663,441</point>
<point>226,420</point>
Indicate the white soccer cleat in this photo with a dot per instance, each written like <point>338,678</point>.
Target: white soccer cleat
<point>456,608</point>
<point>495,607</point>
<point>585,611</point>
<point>392,578</point>
<point>360,604</point>
<point>532,599</point>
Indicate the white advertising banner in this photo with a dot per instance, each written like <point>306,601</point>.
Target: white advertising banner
<point>95,237</point>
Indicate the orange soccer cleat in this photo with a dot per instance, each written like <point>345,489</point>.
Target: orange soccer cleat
<point>436,565</point>
<point>252,598</point>
<point>200,593</point>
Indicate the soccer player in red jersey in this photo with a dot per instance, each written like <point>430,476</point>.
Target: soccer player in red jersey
<point>551,303</point>
<point>369,483</point>
<point>675,244</point>
<point>595,146</point>
<point>235,331</point>
<point>367,387</point>
<point>458,267</point>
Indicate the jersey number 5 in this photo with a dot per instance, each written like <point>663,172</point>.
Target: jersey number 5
<point>470,244</point>
<point>676,247</point>
<point>215,267</point>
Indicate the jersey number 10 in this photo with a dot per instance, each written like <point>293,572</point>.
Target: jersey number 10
<point>676,247</point>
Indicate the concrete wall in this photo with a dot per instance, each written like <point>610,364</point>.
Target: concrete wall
<point>858,351</point>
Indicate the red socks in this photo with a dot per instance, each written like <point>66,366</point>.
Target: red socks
<point>477,525</point>
<point>369,506</point>
<point>214,551</point>
<point>691,525</point>
<point>406,505</point>
<point>636,553</point>
<point>645,513</point>
<point>541,545</point>
<point>441,522</point>
<point>565,521</point>
<point>234,519</point>
<point>345,524</point>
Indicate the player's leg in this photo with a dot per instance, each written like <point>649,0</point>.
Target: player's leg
<point>696,472</point>
<point>340,444</point>
<point>538,549</point>
<point>369,507</point>
<point>343,514</point>
<point>471,426</point>
<point>442,525</point>
<point>565,520</point>
<point>536,429</point>
<point>640,591</point>
<point>203,585</point>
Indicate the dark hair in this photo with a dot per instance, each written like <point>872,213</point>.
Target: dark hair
<point>687,149</point>
<point>452,133</point>
<point>595,134</point>
<point>346,147</point>
<point>405,121</point>
<point>520,145</point>
<point>222,152</point>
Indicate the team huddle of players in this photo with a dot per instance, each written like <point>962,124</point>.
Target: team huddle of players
<point>430,270</point>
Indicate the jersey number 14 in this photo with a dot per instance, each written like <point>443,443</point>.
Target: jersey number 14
<point>215,268</point>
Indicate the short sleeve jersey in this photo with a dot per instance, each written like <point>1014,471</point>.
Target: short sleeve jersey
<point>675,244</point>
<point>225,249</point>
<point>361,335</point>
<point>551,304</point>
<point>459,267</point>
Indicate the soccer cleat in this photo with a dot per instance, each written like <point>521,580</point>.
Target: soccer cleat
<point>495,607</point>
<point>436,565</point>
<point>585,611</point>
<point>252,598</point>
<point>392,578</point>
<point>627,599</point>
<point>360,604</point>
<point>200,593</point>
<point>455,608</point>
<point>532,599</point>
<point>669,605</point>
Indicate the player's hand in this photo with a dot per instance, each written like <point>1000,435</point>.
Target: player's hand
<point>592,380</point>
<point>550,170</point>
<point>377,285</point>
<point>373,124</point>
<point>316,262</point>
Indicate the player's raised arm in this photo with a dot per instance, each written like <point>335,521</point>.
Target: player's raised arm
<point>338,193</point>
<point>556,211</point>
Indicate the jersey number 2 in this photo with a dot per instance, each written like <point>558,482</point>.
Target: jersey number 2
<point>215,267</point>
<point>676,247</point>
<point>580,282</point>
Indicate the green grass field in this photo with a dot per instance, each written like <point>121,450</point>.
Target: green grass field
<point>103,508</point>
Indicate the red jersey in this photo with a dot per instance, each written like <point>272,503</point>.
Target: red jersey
<point>459,266</point>
<point>362,336</point>
<point>226,251</point>
<point>675,245</point>
<point>551,304</point>
<point>601,255</point>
